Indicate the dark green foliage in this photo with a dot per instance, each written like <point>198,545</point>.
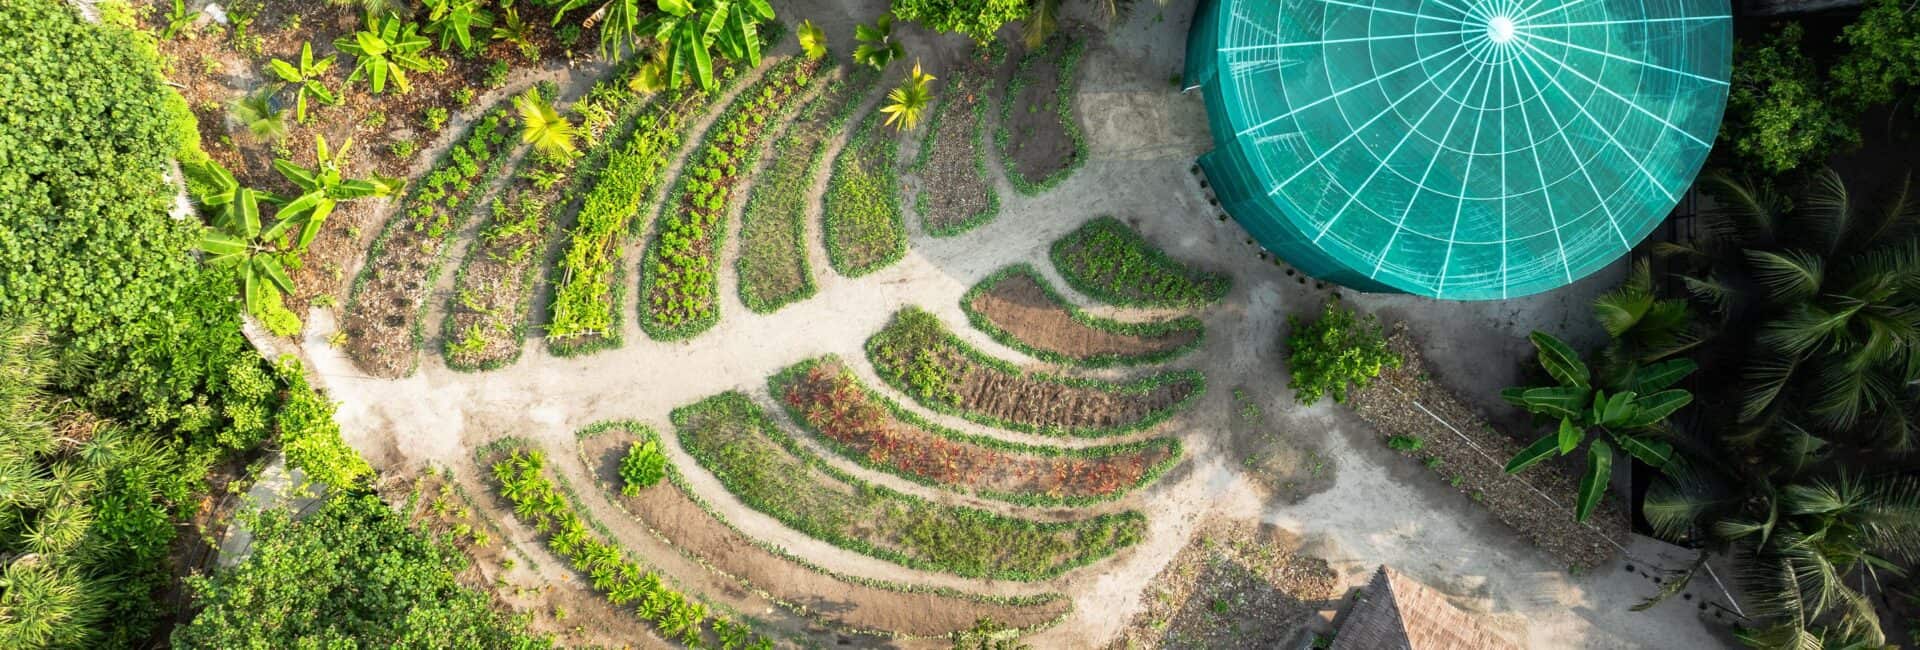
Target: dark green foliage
<point>1109,262</point>
<point>642,467</point>
<point>773,266</point>
<point>1779,113</point>
<point>1883,60</point>
<point>1338,349</point>
<point>351,573</point>
<point>978,19</point>
<point>1408,444</point>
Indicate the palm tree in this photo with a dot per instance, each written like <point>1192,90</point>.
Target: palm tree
<point>906,103</point>
<point>1834,289</point>
<point>256,111</point>
<point>813,40</point>
<point>543,127</point>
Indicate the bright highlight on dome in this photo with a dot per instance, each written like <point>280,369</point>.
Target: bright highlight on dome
<point>1462,149</point>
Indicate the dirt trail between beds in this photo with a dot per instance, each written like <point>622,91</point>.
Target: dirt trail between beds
<point>1375,508</point>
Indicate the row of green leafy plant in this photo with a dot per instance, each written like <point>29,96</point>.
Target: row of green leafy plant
<point>679,280</point>
<point>769,471</point>
<point>587,283</point>
<point>522,479</point>
<point>1110,262</point>
<point>916,354</point>
<point>486,324</point>
<point>862,224</point>
<point>645,447</point>
<point>436,207</point>
<point>772,266</point>
<point>826,399</point>
<point>1066,51</point>
<point>971,88</point>
<point>1143,329</point>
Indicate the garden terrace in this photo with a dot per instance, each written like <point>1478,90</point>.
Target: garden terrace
<point>521,477</point>
<point>768,471</point>
<point>673,512</point>
<point>587,281</point>
<point>772,265</point>
<point>1110,262</point>
<point>679,281</point>
<point>916,354</point>
<point>861,220</point>
<point>1403,403</point>
<point>1039,138</point>
<point>956,193</point>
<point>487,314</point>
<point>1018,308</point>
<point>826,399</point>
<point>383,322</point>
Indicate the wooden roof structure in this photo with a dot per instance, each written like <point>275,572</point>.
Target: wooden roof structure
<point>1397,613</point>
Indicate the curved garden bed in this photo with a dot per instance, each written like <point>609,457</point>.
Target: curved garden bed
<point>956,193</point>
<point>861,219</point>
<point>1021,310</point>
<point>824,397</point>
<point>767,469</point>
<point>673,512</point>
<point>1110,262</point>
<point>1039,138</point>
<point>679,281</point>
<point>916,354</point>
<point>772,266</point>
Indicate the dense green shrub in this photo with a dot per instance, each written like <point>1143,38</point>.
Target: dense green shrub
<point>642,467</point>
<point>1779,114</point>
<point>353,574</point>
<point>978,19</point>
<point>1883,59</point>
<point>310,438</point>
<point>1327,354</point>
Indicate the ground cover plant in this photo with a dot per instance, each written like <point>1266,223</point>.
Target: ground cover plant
<point>1110,262</point>
<point>485,327</point>
<point>826,399</point>
<point>522,479</point>
<point>916,354</point>
<point>767,469</point>
<point>862,224</point>
<point>772,266</point>
<point>1327,354</point>
<point>585,315</point>
<point>678,515</point>
<point>1018,308</point>
<point>679,281</point>
<point>956,192</point>
<point>383,318</point>
<point>1039,137</point>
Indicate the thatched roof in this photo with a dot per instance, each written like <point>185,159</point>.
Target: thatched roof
<point>1397,613</point>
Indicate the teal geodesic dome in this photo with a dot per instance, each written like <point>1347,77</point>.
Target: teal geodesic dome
<point>1462,149</point>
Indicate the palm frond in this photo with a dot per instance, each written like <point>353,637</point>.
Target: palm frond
<point>1787,275</point>
<point>1763,379</point>
<point>1751,210</point>
<point>1712,290</point>
<point>1826,209</point>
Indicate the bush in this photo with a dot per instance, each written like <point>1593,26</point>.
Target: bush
<point>1880,63</point>
<point>1112,263</point>
<point>1337,349</point>
<point>1779,116</point>
<point>643,467</point>
<point>1406,443</point>
<point>978,19</point>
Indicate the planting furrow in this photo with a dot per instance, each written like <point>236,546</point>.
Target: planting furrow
<point>955,191</point>
<point>585,317</point>
<point>487,314</point>
<point>679,285</point>
<point>1039,138</point>
<point>1021,310</point>
<point>770,472</point>
<point>772,265</point>
<point>520,476</point>
<point>388,303</point>
<point>869,429</point>
<point>861,220</point>
<point>678,516</point>
<point>918,355</point>
<point>1111,263</point>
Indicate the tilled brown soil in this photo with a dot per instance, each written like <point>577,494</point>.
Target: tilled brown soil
<point>957,192</point>
<point>1046,404</point>
<point>1038,143</point>
<point>1237,584</point>
<point>1020,306</point>
<point>668,511</point>
<point>1538,503</point>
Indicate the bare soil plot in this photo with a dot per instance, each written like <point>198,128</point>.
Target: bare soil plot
<point>762,465</point>
<point>1237,584</point>
<point>917,354</point>
<point>823,396</point>
<point>1039,137</point>
<point>956,193</point>
<point>1018,308</point>
<point>841,602</point>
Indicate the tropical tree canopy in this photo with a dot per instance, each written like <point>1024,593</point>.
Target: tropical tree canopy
<point>978,19</point>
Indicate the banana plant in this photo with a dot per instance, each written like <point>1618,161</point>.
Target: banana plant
<point>688,30</point>
<point>305,77</point>
<point>324,185</point>
<point>877,47</point>
<point>455,20</point>
<point>1627,412</point>
<point>389,47</point>
<point>259,257</point>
